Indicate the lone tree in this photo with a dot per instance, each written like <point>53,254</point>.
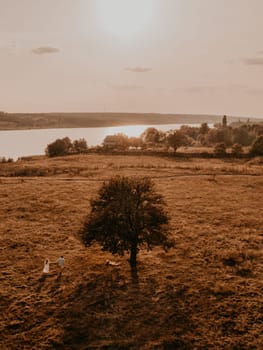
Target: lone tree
<point>127,215</point>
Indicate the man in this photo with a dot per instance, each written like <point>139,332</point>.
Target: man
<point>61,262</point>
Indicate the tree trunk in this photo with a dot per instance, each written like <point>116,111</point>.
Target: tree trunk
<point>133,256</point>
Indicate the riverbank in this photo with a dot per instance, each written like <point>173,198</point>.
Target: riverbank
<point>23,121</point>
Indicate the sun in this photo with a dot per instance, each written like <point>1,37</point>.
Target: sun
<point>125,18</point>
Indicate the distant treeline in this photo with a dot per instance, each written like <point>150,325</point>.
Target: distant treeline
<point>220,137</point>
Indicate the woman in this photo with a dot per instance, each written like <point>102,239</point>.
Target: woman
<point>46,266</point>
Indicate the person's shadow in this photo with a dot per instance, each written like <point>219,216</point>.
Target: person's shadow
<point>42,279</point>
<point>41,282</point>
<point>58,279</point>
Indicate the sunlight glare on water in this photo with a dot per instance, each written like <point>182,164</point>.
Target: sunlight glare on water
<point>19,143</point>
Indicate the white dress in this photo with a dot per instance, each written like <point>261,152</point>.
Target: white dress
<point>46,266</point>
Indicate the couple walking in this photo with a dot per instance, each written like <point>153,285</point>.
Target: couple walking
<point>60,261</point>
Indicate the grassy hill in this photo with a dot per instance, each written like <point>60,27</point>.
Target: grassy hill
<point>10,121</point>
<point>206,293</point>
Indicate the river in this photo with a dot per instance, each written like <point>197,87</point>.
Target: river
<point>19,143</point>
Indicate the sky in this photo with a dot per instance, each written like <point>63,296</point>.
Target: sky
<point>162,56</point>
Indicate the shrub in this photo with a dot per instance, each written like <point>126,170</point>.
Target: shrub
<point>220,149</point>
<point>28,171</point>
<point>176,139</point>
<point>257,147</point>
<point>237,149</point>
<point>60,147</point>
<point>6,160</point>
<point>80,146</point>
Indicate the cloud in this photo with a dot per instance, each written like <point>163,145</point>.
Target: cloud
<point>254,61</point>
<point>138,69</point>
<point>255,91</point>
<point>127,87</point>
<point>209,89</point>
<point>42,50</point>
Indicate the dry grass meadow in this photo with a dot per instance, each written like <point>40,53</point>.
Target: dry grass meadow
<point>206,293</point>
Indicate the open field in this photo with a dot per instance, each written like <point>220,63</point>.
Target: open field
<point>206,293</point>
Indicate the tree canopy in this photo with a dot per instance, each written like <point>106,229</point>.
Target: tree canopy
<point>128,214</point>
<point>176,139</point>
<point>62,147</point>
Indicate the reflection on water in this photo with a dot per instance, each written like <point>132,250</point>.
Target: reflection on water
<point>18,143</point>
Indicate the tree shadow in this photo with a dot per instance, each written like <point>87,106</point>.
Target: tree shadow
<point>102,313</point>
<point>134,276</point>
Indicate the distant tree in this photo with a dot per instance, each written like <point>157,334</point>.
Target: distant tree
<point>151,136</point>
<point>204,128</point>
<point>60,147</point>
<point>224,121</point>
<point>220,149</point>
<point>80,146</point>
<point>237,149</point>
<point>176,139</point>
<point>162,138</point>
<point>217,125</point>
<point>257,147</point>
<point>127,215</point>
<point>118,141</point>
<point>135,142</point>
<point>259,129</point>
<point>190,131</point>
<point>67,144</point>
<point>244,135</point>
<point>220,135</point>
<point>202,139</point>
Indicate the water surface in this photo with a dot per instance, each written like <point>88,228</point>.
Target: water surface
<point>18,143</point>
